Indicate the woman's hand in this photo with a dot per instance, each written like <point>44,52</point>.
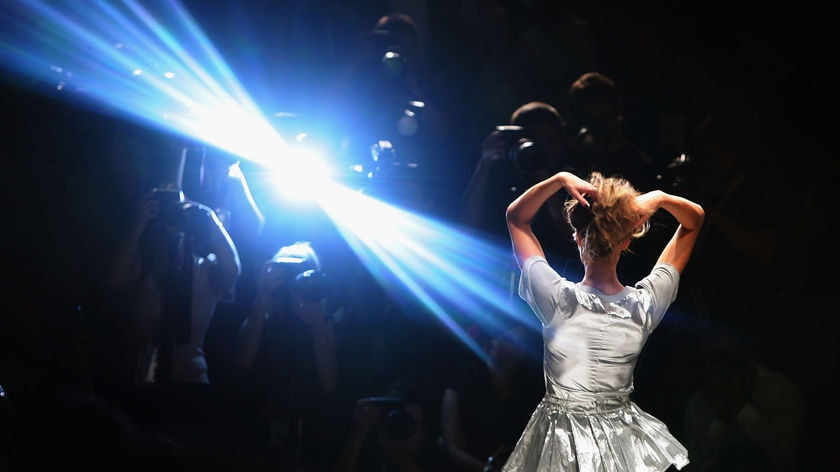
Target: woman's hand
<point>648,203</point>
<point>578,188</point>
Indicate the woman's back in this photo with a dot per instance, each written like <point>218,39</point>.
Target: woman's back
<point>592,341</point>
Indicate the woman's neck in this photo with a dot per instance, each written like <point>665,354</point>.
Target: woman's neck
<point>602,276</point>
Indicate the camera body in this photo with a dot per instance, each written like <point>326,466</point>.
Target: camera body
<point>395,422</point>
<point>589,133</point>
<point>178,214</point>
<point>523,152</point>
<point>387,50</point>
<point>299,277</point>
<point>170,202</point>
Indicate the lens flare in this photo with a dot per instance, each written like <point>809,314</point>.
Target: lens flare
<point>152,63</point>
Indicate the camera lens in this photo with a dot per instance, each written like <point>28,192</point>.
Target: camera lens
<point>310,285</point>
<point>527,156</point>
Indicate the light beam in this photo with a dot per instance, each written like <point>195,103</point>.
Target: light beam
<point>150,61</point>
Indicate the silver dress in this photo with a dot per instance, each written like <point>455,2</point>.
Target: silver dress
<point>586,422</point>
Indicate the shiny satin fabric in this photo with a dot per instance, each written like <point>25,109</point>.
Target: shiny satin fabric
<point>592,340</point>
<point>594,433</point>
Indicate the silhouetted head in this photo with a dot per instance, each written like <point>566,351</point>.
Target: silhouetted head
<point>536,113</point>
<point>400,30</point>
<point>595,108</point>
<point>594,96</point>
<point>719,143</point>
<point>395,44</point>
<point>297,267</point>
<point>542,128</point>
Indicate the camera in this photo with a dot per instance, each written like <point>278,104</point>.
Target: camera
<point>395,421</point>
<point>310,284</point>
<point>590,132</point>
<point>523,152</point>
<point>387,49</point>
<point>176,213</point>
<point>170,201</point>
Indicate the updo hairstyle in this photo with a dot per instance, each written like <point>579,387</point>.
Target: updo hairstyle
<point>611,219</point>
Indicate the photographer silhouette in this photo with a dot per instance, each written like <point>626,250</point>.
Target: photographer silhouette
<point>176,262</point>
<point>286,353</point>
<point>171,270</point>
<point>513,157</point>
<point>390,433</point>
<point>396,422</point>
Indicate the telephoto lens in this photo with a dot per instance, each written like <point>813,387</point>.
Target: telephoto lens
<point>195,220</point>
<point>527,156</point>
<point>523,152</point>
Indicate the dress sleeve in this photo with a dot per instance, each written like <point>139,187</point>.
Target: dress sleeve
<point>661,286</point>
<point>540,286</point>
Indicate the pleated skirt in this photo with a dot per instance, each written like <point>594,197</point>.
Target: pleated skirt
<point>592,433</point>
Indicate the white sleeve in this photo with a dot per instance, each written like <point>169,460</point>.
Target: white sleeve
<point>540,287</point>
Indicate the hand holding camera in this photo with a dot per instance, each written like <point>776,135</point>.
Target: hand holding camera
<point>162,203</point>
<point>365,415</point>
<point>496,145</point>
<point>148,210</point>
<point>176,213</point>
<point>195,220</point>
<point>391,417</point>
<point>520,149</point>
<point>285,280</point>
<point>169,212</point>
<point>287,286</point>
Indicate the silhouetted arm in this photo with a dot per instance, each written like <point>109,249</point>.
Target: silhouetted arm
<point>453,435</point>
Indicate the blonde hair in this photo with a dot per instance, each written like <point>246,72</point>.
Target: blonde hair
<point>611,219</point>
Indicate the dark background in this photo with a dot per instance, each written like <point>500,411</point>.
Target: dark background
<point>670,58</point>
